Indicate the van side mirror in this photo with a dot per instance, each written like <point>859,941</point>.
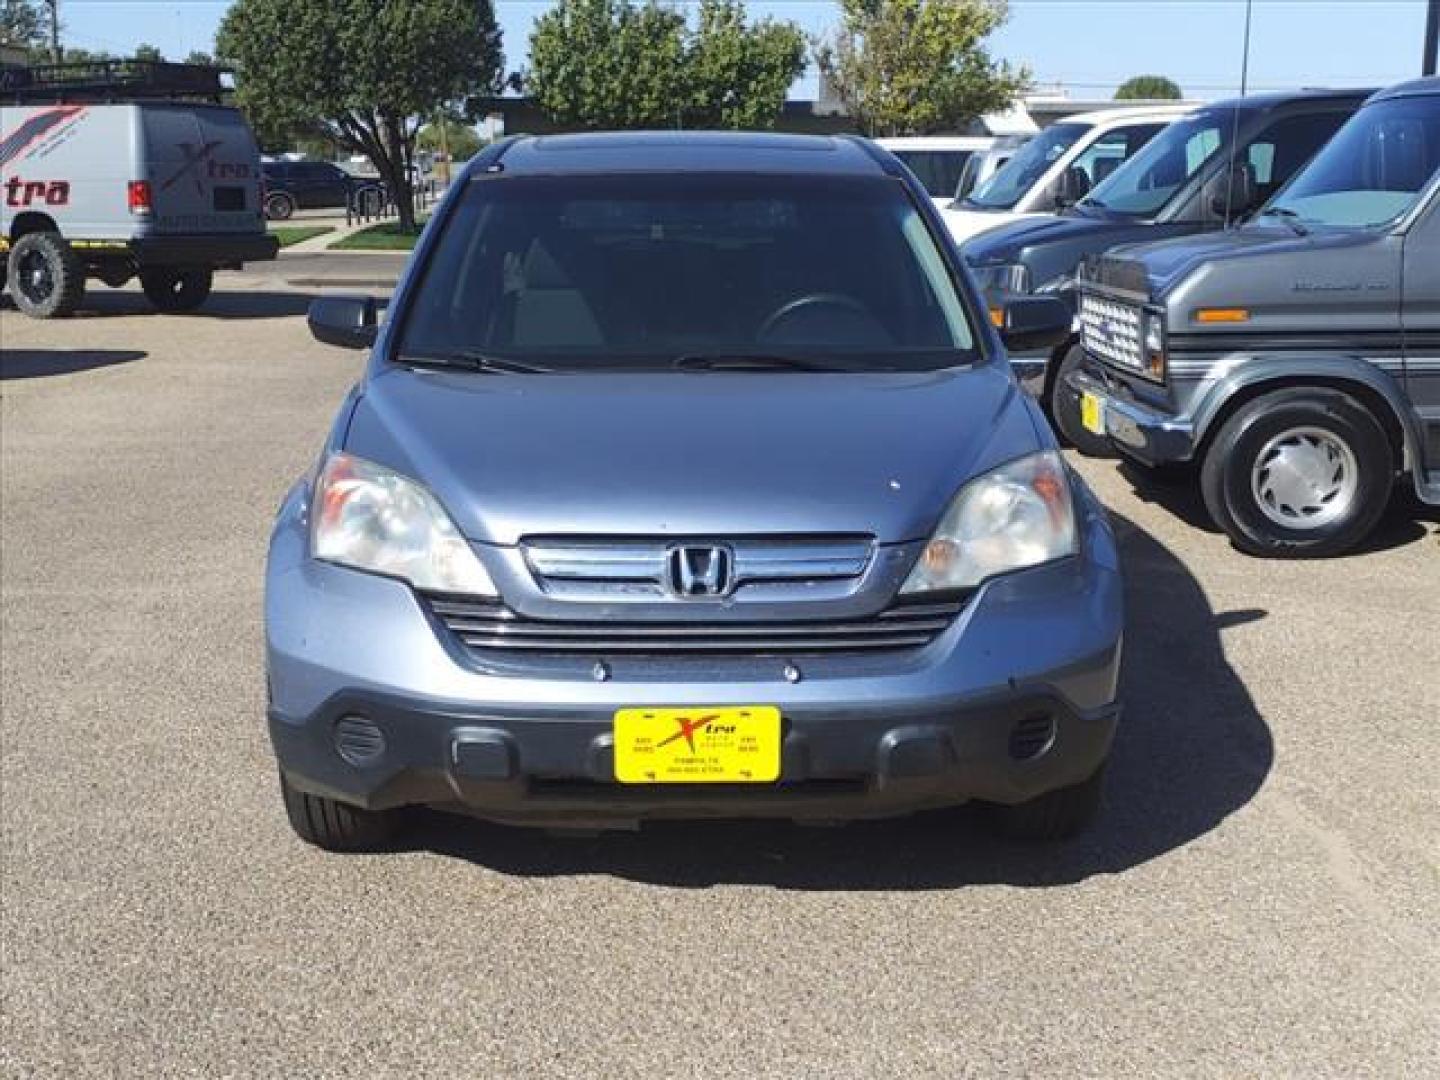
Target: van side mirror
<point>351,322</point>
<point>1028,323</point>
<point>1069,187</point>
<point>1232,193</point>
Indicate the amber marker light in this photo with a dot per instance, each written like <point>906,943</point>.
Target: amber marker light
<point>1222,315</point>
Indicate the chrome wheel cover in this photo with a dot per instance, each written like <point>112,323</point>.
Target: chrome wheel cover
<point>1305,478</point>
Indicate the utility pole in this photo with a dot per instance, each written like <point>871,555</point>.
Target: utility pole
<point>54,6</point>
<point>1432,39</point>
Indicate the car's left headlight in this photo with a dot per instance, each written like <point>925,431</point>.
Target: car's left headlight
<point>371,518</point>
<point>1018,515</point>
<point>1002,278</point>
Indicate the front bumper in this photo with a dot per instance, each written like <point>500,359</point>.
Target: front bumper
<point>953,721</point>
<point>1140,431</point>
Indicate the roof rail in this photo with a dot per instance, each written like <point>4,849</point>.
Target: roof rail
<point>113,81</point>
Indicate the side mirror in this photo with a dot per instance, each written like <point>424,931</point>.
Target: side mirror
<point>1028,323</point>
<point>1069,188</point>
<point>1232,193</point>
<point>352,322</point>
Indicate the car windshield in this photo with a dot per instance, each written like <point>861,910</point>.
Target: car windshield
<point>1371,172</point>
<point>1145,183</point>
<point>640,270</point>
<point>937,170</point>
<point>1032,161</point>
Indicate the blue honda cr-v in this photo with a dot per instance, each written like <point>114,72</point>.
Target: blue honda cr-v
<point>688,478</point>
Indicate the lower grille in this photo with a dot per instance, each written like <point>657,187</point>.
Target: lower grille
<point>486,624</point>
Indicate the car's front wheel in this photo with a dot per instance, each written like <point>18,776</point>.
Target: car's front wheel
<point>1303,472</point>
<point>333,825</point>
<point>1065,409</point>
<point>174,290</point>
<point>46,277</point>
<point>1056,815</point>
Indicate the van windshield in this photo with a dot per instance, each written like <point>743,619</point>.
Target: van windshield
<point>584,272</point>
<point>1145,183</point>
<point>1372,172</point>
<point>1032,161</point>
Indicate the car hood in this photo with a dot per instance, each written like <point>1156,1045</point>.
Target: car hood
<point>1165,263</point>
<point>1052,247</point>
<point>692,454</point>
<point>963,224</point>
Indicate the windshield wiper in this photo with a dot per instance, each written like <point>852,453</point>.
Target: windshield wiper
<point>469,360</point>
<point>747,362</point>
<point>1290,217</point>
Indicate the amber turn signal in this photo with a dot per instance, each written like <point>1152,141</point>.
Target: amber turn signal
<point>1222,315</point>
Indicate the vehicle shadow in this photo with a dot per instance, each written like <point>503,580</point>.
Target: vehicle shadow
<point>40,363</point>
<point>222,304</point>
<point>1192,750</point>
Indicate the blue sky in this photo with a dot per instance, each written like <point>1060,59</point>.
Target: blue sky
<point>1087,45</point>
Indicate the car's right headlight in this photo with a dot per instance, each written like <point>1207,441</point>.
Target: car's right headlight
<point>1013,517</point>
<point>368,517</point>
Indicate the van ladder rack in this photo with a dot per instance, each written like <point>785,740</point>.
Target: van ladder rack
<point>113,82</point>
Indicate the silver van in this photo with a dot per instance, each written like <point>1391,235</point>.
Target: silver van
<point>123,169</point>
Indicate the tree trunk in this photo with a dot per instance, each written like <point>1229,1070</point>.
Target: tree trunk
<point>400,182</point>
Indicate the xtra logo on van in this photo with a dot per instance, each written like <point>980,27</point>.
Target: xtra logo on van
<point>195,156</point>
<point>203,154</point>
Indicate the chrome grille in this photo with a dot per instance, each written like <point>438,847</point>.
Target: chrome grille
<point>570,569</point>
<point>488,624</point>
<point>1110,330</point>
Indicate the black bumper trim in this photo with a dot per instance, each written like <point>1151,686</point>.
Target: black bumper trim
<point>558,769</point>
<point>215,251</point>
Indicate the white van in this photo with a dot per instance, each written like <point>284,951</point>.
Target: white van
<point>123,169</point>
<point>1058,167</point>
<point>938,160</point>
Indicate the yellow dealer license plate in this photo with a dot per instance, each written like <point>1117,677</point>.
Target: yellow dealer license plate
<point>1092,413</point>
<point>698,746</point>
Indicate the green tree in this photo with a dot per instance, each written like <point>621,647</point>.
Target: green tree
<point>149,52</point>
<point>363,73</point>
<point>1149,88</point>
<point>76,55</point>
<point>199,56</point>
<point>608,64</point>
<point>460,139</point>
<point>22,24</point>
<point>739,73</point>
<point>906,67</point>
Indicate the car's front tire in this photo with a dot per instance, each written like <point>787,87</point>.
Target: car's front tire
<point>46,277</point>
<point>333,825</point>
<point>176,291</point>
<point>1302,472</point>
<point>1065,409</point>
<point>1056,815</point>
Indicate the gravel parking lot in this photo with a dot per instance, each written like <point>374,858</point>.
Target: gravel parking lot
<point>1261,897</point>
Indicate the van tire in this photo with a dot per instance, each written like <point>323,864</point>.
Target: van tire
<point>1056,815</point>
<point>335,826</point>
<point>175,290</point>
<point>279,207</point>
<point>61,290</point>
<point>1065,410</point>
<point>1327,426</point>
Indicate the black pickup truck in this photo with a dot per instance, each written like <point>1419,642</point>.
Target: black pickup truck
<point>1294,360</point>
<point>1201,174</point>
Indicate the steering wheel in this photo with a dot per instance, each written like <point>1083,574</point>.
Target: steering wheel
<point>790,307</point>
